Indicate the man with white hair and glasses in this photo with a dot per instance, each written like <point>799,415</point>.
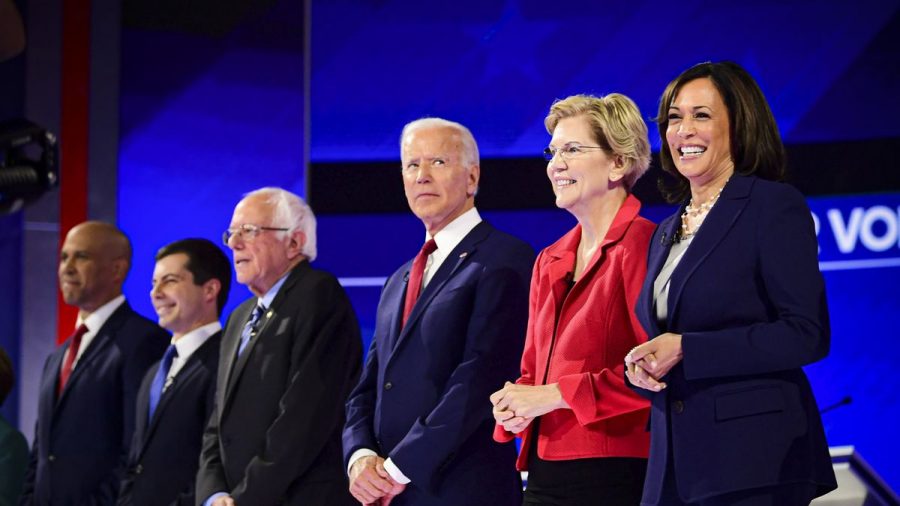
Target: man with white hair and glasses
<point>289,357</point>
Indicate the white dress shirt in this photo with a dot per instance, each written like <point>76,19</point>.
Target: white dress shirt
<point>94,322</point>
<point>186,345</point>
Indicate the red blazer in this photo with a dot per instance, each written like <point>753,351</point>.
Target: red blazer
<point>596,327</point>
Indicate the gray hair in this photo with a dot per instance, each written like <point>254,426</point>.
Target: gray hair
<point>291,212</point>
<point>470,147</point>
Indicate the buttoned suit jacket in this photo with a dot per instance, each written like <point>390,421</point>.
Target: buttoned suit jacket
<point>749,301</point>
<point>423,399</point>
<point>81,441</point>
<point>165,451</point>
<point>274,435</point>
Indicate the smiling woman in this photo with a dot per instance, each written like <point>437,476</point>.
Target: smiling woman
<point>582,429</point>
<point>736,307</point>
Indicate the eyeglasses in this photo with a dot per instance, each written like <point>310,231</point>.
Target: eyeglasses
<point>248,231</point>
<point>567,152</point>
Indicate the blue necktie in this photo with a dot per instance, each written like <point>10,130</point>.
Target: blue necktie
<point>250,327</point>
<point>159,381</point>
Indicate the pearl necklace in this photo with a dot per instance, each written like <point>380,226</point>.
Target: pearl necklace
<point>691,212</point>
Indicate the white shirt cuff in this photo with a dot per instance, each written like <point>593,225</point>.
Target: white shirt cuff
<point>358,454</point>
<point>395,472</point>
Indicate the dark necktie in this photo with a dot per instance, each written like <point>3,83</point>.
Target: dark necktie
<point>414,287</point>
<point>159,381</point>
<point>250,327</point>
<point>69,359</point>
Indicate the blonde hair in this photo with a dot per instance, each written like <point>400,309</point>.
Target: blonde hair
<point>617,126</point>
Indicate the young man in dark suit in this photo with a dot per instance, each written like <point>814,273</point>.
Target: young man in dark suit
<point>289,357</point>
<point>88,387</point>
<point>190,287</point>
<point>450,329</point>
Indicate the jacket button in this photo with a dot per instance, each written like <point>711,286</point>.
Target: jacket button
<point>678,407</point>
<point>139,469</point>
<point>51,458</point>
<point>388,385</point>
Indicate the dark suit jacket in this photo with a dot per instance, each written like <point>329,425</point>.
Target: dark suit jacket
<point>162,464</point>
<point>423,399</point>
<point>81,441</point>
<point>274,436</point>
<point>749,300</point>
<point>13,462</point>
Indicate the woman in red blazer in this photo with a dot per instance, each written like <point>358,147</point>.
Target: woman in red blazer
<point>583,430</point>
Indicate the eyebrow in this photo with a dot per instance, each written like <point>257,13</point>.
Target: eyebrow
<point>673,106</point>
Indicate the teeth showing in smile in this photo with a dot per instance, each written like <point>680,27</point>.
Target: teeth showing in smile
<point>692,150</point>
<point>564,182</point>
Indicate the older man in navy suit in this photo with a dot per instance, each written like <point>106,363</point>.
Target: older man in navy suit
<point>190,287</point>
<point>88,387</point>
<point>450,329</point>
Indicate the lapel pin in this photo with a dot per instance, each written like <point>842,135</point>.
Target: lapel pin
<point>269,314</point>
<point>463,254</point>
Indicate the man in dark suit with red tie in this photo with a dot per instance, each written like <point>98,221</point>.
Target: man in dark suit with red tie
<point>190,287</point>
<point>289,357</point>
<point>450,329</point>
<point>87,395</point>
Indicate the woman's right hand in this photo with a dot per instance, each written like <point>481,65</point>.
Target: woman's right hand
<point>511,422</point>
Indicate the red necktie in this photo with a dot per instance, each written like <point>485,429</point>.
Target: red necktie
<point>415,278</point>
<point>69,360</point>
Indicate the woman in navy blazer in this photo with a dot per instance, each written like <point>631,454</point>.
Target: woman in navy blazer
<point>583,431</point>
<point>736,301</point>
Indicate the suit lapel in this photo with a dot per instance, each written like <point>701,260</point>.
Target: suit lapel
<point>99,342</point>
<point>460,255</point>
<point>237,363</point>
<point>660,245</point>
<point>48,401</point>
<point>715,227</point>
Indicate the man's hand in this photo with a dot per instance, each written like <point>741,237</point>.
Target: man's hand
<point>396,488</point>
<point>369,481</point>
<point>224,500</point>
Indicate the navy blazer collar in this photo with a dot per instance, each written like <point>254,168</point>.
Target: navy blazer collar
<point>185,375</point>
<point>464,251</point>
<point>715,227</point>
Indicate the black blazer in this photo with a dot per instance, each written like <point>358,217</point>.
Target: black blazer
<point>274,436</point>
<point>81,441</point>
<point>749,301</point>
<point>423,399</point>
<point>162,464</point>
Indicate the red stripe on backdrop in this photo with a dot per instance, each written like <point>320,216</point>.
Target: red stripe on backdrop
<point>74,133</point>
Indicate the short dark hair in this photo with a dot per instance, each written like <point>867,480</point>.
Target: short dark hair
<point>205,261</point>
<point>7,376</point>
<point>756,147</point>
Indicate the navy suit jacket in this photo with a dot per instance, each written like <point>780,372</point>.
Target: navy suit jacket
<point>165,451</point>
<point>423,399</point>
<point>749,301</point>
<point>81,441</point>
<point>275,433</point>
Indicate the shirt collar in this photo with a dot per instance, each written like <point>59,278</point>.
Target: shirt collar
<point>194,339</point>
<point>455,231</point>
<point>266,300</point>
<point>97,319</point>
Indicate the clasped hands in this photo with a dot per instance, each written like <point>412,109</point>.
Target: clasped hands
<point>646,364</point>
<point>516,406</point>
<point>370,482</point>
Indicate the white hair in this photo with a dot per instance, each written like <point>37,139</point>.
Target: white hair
<point>470,147</point>
<point>291,212</point>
